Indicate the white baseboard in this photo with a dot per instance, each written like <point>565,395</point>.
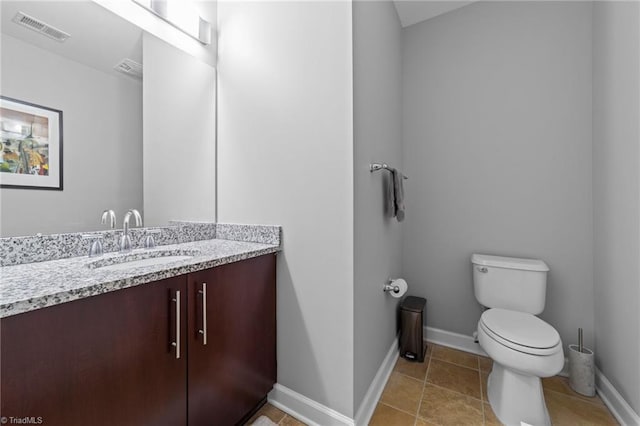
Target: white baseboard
<point>620,409</point>
<point>370,400</point>
<point>316,414</point>
<point>453,340</point>
<point>467,344</point>
<point>306,409</point>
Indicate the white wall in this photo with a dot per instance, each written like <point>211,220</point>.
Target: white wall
<point>102,141</point>
<point>616,165</point>
<point>377,48</point>
<point>497,143</point>
<point>179,93</point>
<point>285,156</point>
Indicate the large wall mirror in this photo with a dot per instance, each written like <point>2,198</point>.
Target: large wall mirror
<point>137,120</point>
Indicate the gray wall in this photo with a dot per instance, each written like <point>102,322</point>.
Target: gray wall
<point>285,156</point>
<point>616,189</point>
<point>377,124</point>
<point>102,141</point>
<point>179,93</point>
<point>497,143</point>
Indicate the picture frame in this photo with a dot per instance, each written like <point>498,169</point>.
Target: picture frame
<point>30,145</point>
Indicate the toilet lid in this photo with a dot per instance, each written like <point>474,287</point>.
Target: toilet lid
<point>520,328</point>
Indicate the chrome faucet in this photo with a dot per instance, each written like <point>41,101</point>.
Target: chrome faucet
<point>125,239</point>
<point>110,216</point>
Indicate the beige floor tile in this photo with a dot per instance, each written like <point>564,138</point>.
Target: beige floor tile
<point>454,377</point>
<point>429,347</point>
<point>421,422</point>
<point>451,390</point>
<point>403,393</point>
<point>445,407</point>
<point>454,356</point>
<point>490,418</point>
<point>290,421</point>
<point>486,364</point>
<point>389,416</point>
<point>561,384</point>
<point>483,382</point>
<point>274,414</point>
<point>417,370</point>
<point>565,410</point>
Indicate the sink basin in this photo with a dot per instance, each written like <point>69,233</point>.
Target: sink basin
<point>139,260</point>
<point>143,262</point>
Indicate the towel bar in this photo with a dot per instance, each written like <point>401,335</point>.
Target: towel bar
<point>377,166</point>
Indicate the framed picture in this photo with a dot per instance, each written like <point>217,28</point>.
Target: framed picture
<point>30,145</point>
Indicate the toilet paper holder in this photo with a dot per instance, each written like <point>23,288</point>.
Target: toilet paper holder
<point>393,288</point>
<point>396,287</point>
<point>389,287</point>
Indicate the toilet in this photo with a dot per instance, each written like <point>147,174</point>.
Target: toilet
<point>523,347</point>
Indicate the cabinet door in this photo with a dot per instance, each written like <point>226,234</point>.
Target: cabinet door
<point>103,360</point>
<point>235,367</point>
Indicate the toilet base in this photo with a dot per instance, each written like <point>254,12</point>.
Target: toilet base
<point>516,397</point>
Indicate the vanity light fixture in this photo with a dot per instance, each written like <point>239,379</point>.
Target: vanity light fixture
<point>181,14</point>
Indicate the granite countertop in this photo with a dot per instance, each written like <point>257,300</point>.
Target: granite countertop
<point>31,286</point>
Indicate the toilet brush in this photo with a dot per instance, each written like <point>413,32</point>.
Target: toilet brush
<point>581,368</point>
<point>580,340</point>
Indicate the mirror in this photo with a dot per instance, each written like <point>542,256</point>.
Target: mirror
<point>135,131</point>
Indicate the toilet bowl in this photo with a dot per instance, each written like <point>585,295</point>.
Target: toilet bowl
<point>524,348</point>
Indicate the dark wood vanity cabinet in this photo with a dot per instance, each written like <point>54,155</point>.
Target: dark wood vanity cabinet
<point>138,356</point>
<point>235,367</point>
<point>101,360</point>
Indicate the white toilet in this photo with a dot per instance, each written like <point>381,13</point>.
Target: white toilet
<point>523,347</point>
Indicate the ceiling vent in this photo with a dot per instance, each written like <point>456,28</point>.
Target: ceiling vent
<point>40,27</point>
<point>130,68</point>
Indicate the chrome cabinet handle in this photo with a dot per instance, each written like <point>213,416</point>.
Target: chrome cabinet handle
<point>176,344</point>
<point>203,330</point>
<point>483,269</point>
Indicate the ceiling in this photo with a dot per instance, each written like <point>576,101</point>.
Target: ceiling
<point>99,38</point>
<point>414,11</point>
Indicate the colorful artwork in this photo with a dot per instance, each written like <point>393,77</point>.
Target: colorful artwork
<point>30,145</point>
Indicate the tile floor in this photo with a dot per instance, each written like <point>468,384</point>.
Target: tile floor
<point>450,388</point>
<point>276,415</point>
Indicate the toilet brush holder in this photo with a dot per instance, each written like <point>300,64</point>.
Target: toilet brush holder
<point>582,370</point>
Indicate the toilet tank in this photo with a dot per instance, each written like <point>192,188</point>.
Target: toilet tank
<point>510,283</point>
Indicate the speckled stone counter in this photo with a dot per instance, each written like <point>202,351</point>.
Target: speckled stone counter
<point>43,248</point>
<point>31,286</point>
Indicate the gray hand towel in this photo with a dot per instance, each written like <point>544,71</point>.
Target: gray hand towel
<point>390,197</point>
<point>398,192</point>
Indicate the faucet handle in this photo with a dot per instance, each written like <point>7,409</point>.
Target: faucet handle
<point>110,216</point>
<point>125,243</point>
<point>149,241</point>
<point>96,248</point>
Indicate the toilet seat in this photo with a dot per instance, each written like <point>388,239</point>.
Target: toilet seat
<point>520,331</point>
